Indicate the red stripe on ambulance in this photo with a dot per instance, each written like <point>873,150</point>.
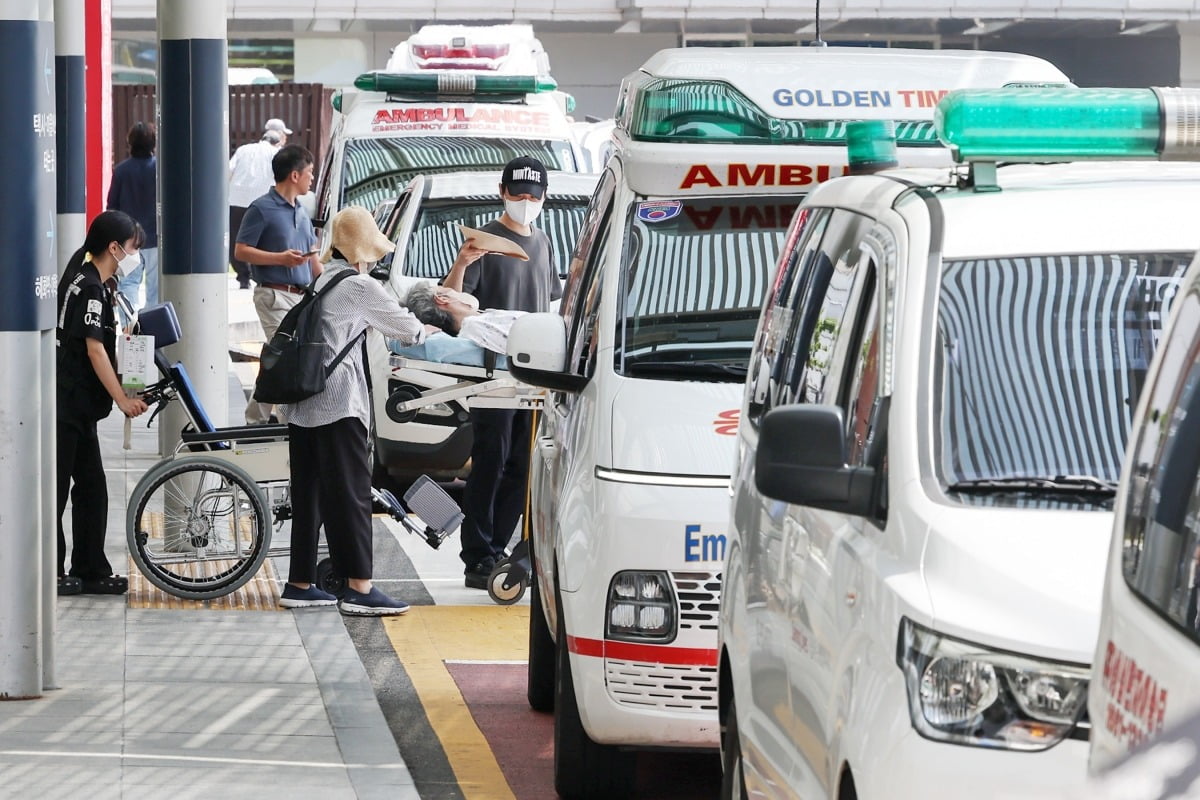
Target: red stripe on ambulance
<point>645,653</point>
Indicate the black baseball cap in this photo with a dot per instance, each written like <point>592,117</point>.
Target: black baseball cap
<point>525,175</point>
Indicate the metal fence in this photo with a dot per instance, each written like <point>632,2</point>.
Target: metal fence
<point>304,107</point>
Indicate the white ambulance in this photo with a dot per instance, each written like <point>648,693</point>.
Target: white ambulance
<point>631,467</point>
<point>936,412</point>
<point>452,98</point>
<point>1147,664</point>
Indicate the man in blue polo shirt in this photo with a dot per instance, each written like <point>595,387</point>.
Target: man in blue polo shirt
<point>277,240</point>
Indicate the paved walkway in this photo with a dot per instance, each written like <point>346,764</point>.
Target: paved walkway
<point>196,703</point>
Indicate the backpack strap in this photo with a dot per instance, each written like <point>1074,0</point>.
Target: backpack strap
<point>345,351</point>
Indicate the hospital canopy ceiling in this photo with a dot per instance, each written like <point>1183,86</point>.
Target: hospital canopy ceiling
<point>971,18</point>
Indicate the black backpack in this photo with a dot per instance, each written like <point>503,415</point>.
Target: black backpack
<point>291,365</point>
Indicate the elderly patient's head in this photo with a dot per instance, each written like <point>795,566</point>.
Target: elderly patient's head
<point>441,307</point>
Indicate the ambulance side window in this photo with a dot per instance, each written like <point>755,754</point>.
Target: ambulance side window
<point>863,369</point>
<point>1161,553</point>
<point>324,189</point>
<point>791,274</point>
<point>581,295</point>
<point>826,313</point>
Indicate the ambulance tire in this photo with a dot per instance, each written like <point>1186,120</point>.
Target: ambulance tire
<point>733,782</point>
<point>583,769</point>
<point>540,675</point>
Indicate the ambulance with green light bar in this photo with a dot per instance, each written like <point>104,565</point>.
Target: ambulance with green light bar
<point>453,98</point>
<point>939,400</point>
<point>714,150</point>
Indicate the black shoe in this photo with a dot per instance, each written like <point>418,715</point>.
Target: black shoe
<point>69,584</point>
<point>477,576</point>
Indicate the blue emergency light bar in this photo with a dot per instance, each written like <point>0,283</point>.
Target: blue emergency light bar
<point>1068,124</point>
<point>454,83</point>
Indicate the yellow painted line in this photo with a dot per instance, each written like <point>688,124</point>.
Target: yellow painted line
<point>425,639</point>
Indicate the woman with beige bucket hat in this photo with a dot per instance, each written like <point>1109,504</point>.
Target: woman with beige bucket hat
<point>328,432</point>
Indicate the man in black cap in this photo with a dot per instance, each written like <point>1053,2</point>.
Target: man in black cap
<point>495,493</point>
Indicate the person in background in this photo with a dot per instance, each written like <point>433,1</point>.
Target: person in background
<point>87,388</point>
<point>495,493</point>
<point>328,445</point>
<point>277,239</point>
<point>250,177</point>
<point>277,127</point>
<point>133,191</point>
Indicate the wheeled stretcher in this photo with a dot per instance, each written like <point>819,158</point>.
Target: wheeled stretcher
<point>486,386</point>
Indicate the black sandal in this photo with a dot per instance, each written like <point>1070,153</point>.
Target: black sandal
<point>113,584</point>
<point>69,584</point>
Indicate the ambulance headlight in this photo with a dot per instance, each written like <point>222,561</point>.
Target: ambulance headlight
<point>968,694</point>
<point>640,608</point>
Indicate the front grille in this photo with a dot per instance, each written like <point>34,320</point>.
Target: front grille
<point>699,596</point>
<point>662,686</point>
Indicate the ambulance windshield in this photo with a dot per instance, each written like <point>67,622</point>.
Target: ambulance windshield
<point>376,169</point>
<point>693,285</point>
<point>1040,363</point>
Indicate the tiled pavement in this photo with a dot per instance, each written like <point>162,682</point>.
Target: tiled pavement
<point>157,703</point>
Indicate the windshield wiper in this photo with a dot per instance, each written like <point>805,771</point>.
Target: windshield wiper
<point>1057,484</point>
<point>705,369</point>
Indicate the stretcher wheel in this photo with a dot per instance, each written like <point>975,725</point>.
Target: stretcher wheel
<point>328,579</point>
<point>401,395</point>
<point>496,588</point>
<point>197,527</point>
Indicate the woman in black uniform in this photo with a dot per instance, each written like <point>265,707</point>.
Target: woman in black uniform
<point>87,388</point>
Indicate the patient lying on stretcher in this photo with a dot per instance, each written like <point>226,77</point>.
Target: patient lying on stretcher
<point>468,331</point>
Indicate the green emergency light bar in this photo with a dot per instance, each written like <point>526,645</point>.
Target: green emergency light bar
<point>871,145</point>
<point>1068,124</point>
<point>715,112</point>
<point>453,83</point>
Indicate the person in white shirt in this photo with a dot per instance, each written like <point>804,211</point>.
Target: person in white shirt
<point>250,177</point>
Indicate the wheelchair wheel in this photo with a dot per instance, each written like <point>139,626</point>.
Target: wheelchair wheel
<point>198,527</point>
<point>328,578</point>
<point>495,587</point>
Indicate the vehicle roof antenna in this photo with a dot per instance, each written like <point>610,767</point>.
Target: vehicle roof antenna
<point>818,42</point>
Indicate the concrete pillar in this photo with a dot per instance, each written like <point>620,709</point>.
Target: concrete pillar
<point>27,317</point>
<point>193,162</point>
<point>72,126</point>
<point>71,197</point>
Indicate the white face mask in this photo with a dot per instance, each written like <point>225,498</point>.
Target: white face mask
<point>129,263</point>
<point>523,212</point>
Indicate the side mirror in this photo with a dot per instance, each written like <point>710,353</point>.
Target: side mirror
<point>537,353</point>
<point>801,459</point>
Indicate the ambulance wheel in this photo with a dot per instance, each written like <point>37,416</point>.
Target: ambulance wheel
<point>733,782</point>
<point>197,527</point>
<point>496,589</point>
<point>392,406</point>
<point>583,769</point>
<point>328,579</point>
<point>539,687</point>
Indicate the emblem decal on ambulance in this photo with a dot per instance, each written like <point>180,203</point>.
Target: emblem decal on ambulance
<point>726,422</point>
<point>659,210</point>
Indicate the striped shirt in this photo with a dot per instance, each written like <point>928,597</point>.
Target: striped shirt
<point>353,305</point>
